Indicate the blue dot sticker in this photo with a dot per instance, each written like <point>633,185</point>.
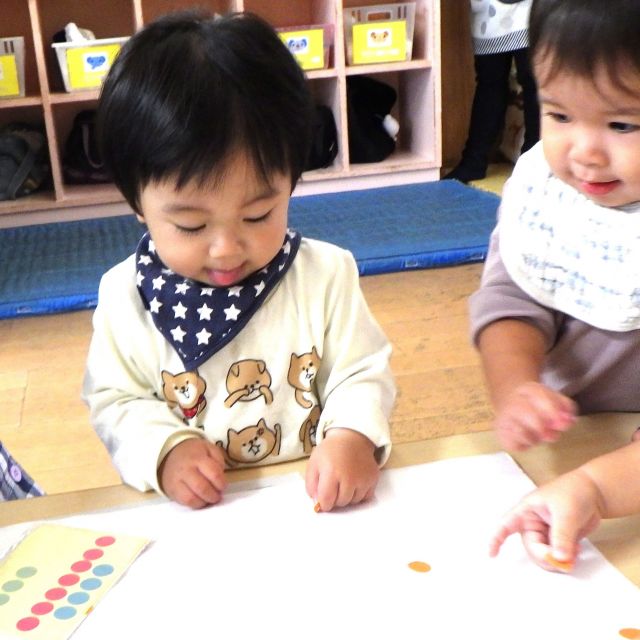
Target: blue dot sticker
<point>78,597</point>
<point>64,613</point>
<point>90,584</point>
<point>103,570</point>
<point>4,598</point>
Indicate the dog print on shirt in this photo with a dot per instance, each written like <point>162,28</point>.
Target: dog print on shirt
<point>248,380</point>
<point>303,369</point>
<point>251,444</point>
<point>185,390</point>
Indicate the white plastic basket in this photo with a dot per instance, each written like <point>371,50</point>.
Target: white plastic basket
<point>12,67</point>
<point>84,65</point>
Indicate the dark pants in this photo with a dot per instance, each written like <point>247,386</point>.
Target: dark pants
<point>490,105</point>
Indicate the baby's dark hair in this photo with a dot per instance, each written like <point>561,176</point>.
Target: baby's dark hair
<point>188,91</point>
<point>580,35</point>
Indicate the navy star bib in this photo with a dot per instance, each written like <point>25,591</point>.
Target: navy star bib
<point>197,319</point>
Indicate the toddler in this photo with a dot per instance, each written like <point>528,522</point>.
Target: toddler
<point>227,340</point>
<point>557,316</point>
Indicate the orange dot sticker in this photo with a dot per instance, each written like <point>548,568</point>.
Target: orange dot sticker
<point>630,633</point>
<point>420,567</point>
<point>561,565</point>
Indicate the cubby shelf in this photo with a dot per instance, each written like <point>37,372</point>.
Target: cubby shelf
<point>417,82</point>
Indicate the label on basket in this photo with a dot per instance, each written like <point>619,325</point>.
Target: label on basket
<point>379,41</point>
<point>306,46</point>
<point>89,65</point>
<point>9,83</point>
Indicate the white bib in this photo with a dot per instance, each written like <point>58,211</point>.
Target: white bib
<point>567,252</point>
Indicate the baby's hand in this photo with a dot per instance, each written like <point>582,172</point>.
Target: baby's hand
<point>552,520</point>
<point>532,414</point>
<point>342,469</point>
<point>192,473</point>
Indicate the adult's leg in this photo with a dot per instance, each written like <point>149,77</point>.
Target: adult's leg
<point>487,115</point>
<point>531,105</point>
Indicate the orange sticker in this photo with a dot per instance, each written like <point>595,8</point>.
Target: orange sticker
<point>420,567</point>
<point>562,565</point>
<point>316,507</point>
<point>630,633</point>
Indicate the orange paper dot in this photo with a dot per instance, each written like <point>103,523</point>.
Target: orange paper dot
<point>420,567</point>
<point>630,633</point>
<point>316,507</point>
<point>563,565</point>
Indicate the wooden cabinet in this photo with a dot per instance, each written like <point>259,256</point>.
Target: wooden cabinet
<point>417,81</point>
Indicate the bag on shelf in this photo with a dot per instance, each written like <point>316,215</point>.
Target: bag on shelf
<point>324,143</point>
<point>82,162</point>
<point>371,126</point>
<point>24,160</point>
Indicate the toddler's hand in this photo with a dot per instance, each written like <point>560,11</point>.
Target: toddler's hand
<point>552,520</point>
<point>192,473</point>
<point>532,414</point>
<point>342,469</point>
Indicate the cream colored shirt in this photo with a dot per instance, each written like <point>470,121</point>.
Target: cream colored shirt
<point>311,358</point>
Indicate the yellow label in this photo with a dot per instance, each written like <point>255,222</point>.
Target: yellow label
<point>379,41</point>
<point>9,84</point>
<point>89,65</point>
<point>306,46</point>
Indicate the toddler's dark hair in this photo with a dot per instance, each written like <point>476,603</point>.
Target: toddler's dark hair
<point>581,35</point>
<point>189,90</point>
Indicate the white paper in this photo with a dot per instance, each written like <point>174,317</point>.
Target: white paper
<point>263,563</point>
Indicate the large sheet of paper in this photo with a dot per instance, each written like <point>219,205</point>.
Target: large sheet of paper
<point>411,564</point>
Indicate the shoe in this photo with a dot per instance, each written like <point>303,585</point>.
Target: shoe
<point>465,174</point>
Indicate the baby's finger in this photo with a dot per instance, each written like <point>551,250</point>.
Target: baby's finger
<point>203,489</point>
<point>346,494</point>
<point>511,523</point>
<point>213,471</point>
<point>327,491</point>
<point>183,494</point>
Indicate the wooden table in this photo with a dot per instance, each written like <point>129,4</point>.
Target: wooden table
<point>618,540</point>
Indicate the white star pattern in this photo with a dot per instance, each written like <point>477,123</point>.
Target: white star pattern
<point>180,311</point>
<point>203,336</point>
<point>231,313</point>
<point>182,287</point>
<point>152,246</point>
<point>197,329</point>
<point>178,334</point>
<point>204,312</point>
<point>155,305</point>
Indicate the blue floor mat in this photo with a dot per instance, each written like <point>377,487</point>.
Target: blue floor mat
<point>57,267</point>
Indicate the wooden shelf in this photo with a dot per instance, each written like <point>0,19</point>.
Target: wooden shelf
<point>417,82</point>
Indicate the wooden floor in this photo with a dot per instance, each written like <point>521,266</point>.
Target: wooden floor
<point>45,425</point>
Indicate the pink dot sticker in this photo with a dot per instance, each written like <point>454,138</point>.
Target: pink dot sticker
<point>42,608</point>
<point>93,554</point>
<point>80,566</point>
<point>27,624</point>
<point>68,579</point>
<point>105,541</point>
<point>55,594</point>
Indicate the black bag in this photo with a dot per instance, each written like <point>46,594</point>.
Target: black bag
<point>82,162</point>
<point>24,161</point>
<point>324,143</point>
<point>368,102</point>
